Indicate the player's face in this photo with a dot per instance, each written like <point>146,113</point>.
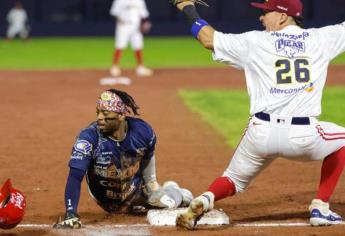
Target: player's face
<point>271,20</point>
<point>108,121</point>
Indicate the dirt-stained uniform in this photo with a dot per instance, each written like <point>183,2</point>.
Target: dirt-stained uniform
<point>116,154</point>
<point>113,167</point>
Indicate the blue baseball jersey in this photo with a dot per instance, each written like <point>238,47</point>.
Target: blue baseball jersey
<point>113,168</point>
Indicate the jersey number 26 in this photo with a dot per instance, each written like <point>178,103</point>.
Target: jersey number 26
<point>289,69</point>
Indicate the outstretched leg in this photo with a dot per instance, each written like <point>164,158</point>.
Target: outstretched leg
<point>331,169</point>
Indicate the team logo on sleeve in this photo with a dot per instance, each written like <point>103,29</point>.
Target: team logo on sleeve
<point>83,146</point>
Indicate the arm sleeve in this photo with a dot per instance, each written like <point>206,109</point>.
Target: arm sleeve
<point>9,17</point>
<point>149,170</point>
<point>144,13</point>
<point>25,16</point>
<point>333,39</point>
<point>151,146</point>
<point>72,191</point>
<point>82,150</point>
<point>115,8</point>
<point>231,49</point>
<point>148,164</point>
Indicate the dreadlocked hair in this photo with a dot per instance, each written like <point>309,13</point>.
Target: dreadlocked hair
<point>127,100</point>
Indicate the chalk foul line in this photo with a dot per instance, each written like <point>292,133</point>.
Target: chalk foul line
<point>282,224</point>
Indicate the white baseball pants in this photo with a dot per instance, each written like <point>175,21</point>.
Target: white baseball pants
<point>263,141</point>
<point>128,33</point>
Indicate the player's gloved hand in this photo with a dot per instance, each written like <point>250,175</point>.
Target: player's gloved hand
<point>157,197</point>
<point>160,199</point>
<point>180,4</point>
<point>71,220</point>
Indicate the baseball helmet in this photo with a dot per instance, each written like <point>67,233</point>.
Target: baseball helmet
<point>12,206</point>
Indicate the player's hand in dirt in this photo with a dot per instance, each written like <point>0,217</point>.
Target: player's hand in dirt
<point>69,221</point>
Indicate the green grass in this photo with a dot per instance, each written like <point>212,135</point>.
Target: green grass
<point>228,110</point>
<point>340,59</point>
<point>96,52</point>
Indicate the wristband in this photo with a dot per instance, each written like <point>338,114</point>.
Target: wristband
<point>191,14</point>
<point>197,26</point>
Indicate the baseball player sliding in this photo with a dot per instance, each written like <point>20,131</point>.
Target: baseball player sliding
<point>132,20</point>
<point>285,68</point>
<point>116,153</point>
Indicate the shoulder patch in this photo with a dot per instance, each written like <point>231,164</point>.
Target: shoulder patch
<point>83,146</point>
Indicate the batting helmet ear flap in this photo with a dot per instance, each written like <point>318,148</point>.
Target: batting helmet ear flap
<point>5,193</point>
<point>12,206</point>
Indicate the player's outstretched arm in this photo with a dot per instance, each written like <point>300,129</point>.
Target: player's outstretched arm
<point>200,29</point>
<point>71,219</point>
<point>156,196</point>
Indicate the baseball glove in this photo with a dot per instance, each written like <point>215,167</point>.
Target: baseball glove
<point>200,2</point>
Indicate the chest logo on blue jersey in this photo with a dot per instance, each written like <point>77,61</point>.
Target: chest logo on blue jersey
<point>83,146</point>
<point>290,47</point>
<point>140,152</point>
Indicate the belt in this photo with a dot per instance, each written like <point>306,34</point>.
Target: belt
<point>294,121</point>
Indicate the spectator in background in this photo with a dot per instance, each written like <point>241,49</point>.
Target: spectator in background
<point>17,22</point>
<point>131,22</point>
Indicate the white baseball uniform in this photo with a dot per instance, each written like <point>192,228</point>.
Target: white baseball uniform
<point>285,74</point>
<point>17,19</point>
<point>129,14</point>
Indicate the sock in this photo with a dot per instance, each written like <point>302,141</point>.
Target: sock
<point>139,57</point>
<point>331,169</point>
<point>117,56</point>
<point>222,187</point>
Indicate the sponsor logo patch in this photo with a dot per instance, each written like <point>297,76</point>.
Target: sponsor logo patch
<point>83,146</point>
<point>77,155</point>
<point>307,88</point>
<point>17,199</point>
<point>105,160</point>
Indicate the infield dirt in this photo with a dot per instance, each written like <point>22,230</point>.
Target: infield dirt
<point>43,111</point>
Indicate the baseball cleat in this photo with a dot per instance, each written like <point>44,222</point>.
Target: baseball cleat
<point>189,219</point>
<point>321,215</point>
<point>144,71</point>
<point>319,219</point>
